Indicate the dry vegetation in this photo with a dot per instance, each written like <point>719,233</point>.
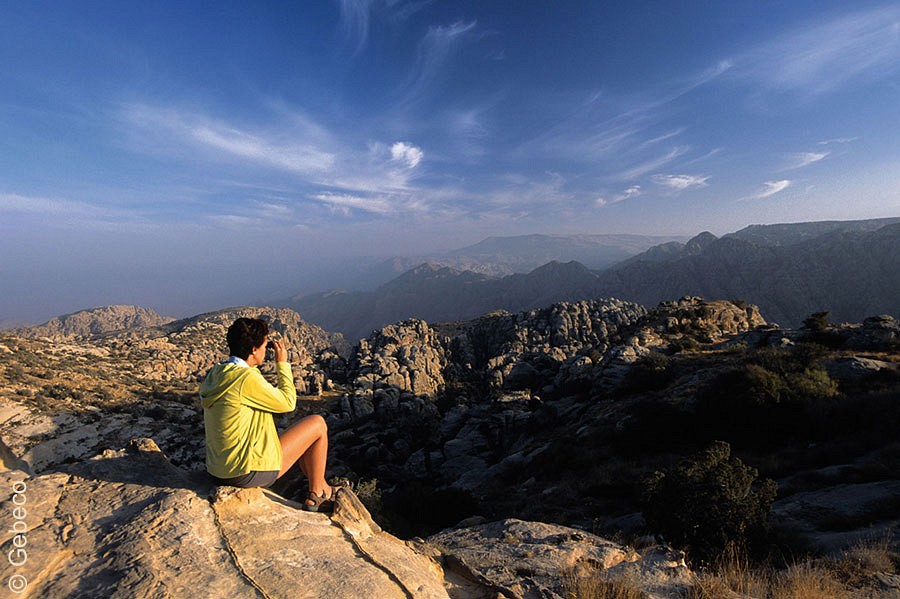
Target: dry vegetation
<point>854,574</point>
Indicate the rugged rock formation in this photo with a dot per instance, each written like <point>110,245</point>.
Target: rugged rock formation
<point>407,356</point>
<point>94,323</point>
<point>531,366</point>
<point>506,351</point>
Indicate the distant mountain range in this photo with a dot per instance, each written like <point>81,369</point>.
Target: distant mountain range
<point>850,268</point>
<point>500,256</point>
<point>852,271</point>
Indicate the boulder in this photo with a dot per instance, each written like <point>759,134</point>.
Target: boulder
<point>521,560</point>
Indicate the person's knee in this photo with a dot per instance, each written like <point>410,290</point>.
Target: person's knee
<point>319,423</point>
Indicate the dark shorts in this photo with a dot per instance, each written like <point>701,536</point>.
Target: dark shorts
<point>254,478</point>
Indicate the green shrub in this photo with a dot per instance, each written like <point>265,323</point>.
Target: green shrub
<point>648,373</point>
<point>811,385</point>
<point>370,495</point>
<point>708,501</point>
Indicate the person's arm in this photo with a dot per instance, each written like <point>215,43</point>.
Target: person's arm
<point>259,394</point>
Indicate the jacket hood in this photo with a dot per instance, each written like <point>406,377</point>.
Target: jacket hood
<point>220,379</point>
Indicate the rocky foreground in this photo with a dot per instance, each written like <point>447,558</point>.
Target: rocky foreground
<point>128,523</point>
<point>469,432</point>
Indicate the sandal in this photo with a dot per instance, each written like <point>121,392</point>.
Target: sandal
<point>322,503</point>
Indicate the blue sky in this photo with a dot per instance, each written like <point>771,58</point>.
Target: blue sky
<point>179,155</point>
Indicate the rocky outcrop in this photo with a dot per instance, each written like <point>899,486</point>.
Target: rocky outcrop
<point>521,560</point>
<point>94,323</point>
<point>408,356</point>
<point>184,350</point>
<point>539,350</point>
<point>697,319</point>
<point>128,523</point>
<point>509,352</point>
<point>499,379</point>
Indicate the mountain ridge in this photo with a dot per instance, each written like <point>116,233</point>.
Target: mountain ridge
<point>785,269</point>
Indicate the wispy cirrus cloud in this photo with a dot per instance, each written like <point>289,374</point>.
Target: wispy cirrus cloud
<point>292,157</point>
<point>434,51</point>
<point>838,140</point>
<point>650,165</point>
<point>801,159</point>
<point>356,16</point>
<point>345,176</point>
<point>354,22</point>
<point>65,210</point>
<point>278,151</point>
<point>625,132</point>
<point>829,54</point>
<point>680,182</point>
<point>769,189</point>
<point>632,192</point>
<point>344,203</point>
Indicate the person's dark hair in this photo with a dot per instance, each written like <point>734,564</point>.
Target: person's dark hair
<point>244,334</point>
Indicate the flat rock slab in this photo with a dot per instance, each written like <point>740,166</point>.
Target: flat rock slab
<point>524,559</point>
<point>129,524</point>
<point>288,552</point>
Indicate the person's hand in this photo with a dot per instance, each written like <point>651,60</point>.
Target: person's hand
<point>281,353</point>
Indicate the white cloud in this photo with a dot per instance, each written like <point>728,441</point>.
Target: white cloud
<point>801,159</point>
<point>770,188</point>
<point>64,211</point>
<point>344,203</point>
<point>294,158</point>
<point>632,192</point>
<point>838,140</point>
<point>652,164</point>
<point>406,153</point>
<point>355,21</point>
<point>184,128</point>
<point>680,182</point>
<point>826,55</point>
<point>435,49</point>
<point>15,203</point>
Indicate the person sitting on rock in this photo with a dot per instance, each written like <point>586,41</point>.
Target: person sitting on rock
<point>243,448</point>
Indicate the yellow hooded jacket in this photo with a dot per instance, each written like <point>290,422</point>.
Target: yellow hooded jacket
<point>238,403</point>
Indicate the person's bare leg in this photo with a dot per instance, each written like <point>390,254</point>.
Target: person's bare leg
<point>307,442</point>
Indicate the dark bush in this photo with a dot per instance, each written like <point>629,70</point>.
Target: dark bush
<point>418,509</point>
<point>753,406</point>
<point>708,501</point>
<point>648,373</point>
<point>817,322</point>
